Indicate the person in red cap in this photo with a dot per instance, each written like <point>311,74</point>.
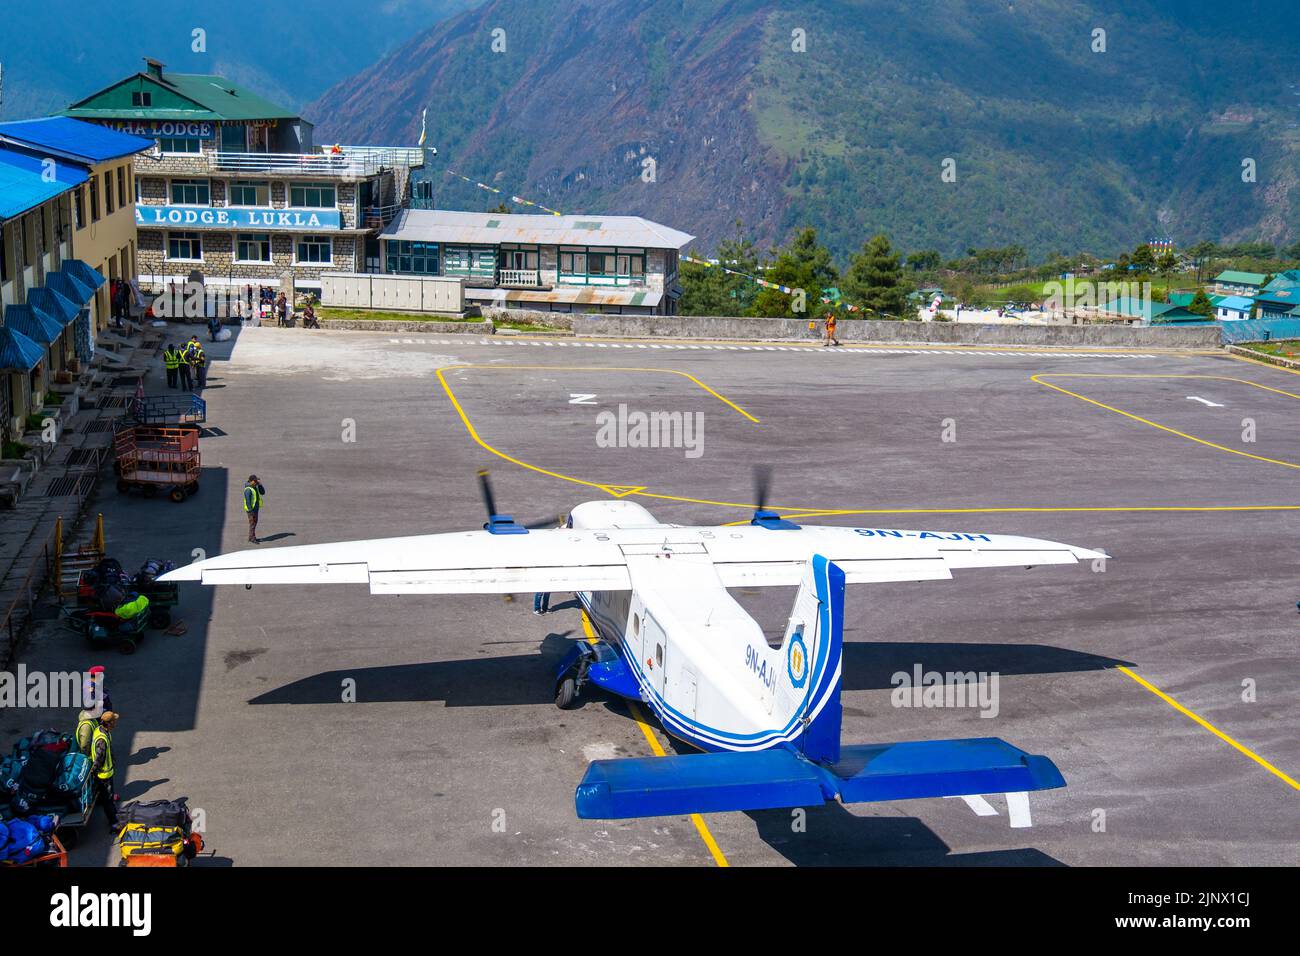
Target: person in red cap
<point>94,700</point>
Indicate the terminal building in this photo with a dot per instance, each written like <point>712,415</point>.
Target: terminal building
<point>596,264</point>
<point>234,189</point>
<point>64,204</point>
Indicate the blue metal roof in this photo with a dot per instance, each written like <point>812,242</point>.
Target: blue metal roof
<point>83,273</point>
<point>69,286</point>
<point>18,353</point>
<point>73,139</point>
<point>41,328</point>
<point>1238,303</point>
<point>49,302</point>
<point>25,182</point>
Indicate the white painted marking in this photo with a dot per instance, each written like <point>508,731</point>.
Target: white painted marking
<point>977,803</point>
<point>581,398</point>
<point>1203,401</point>
<point>1018,810</point>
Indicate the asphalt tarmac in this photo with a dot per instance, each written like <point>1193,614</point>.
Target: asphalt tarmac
<point>324,726</point>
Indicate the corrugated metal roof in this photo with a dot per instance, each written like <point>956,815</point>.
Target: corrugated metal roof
<point>26,182</point>
<point>448,226</point>
<point>1239,303</point>
<point>18,353</point>
<point>1242,278</point>
<point>83,273</point>
<point>87,142</point>
<point>69,287</point>
<point>218,98</point>
<point>48,302</point>
<point>37,326</point>
<point>586,295</point>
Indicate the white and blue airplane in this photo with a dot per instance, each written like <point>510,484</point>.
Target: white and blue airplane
<point>766,718</point>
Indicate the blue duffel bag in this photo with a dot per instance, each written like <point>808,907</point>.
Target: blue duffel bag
<point>74,771</point>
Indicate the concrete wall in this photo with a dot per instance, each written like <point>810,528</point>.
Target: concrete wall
<point>863,330</point>
<point>400,293</point>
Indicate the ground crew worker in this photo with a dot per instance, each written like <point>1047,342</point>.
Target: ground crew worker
<point>184,368</point>
<point>172,362</point>
<point>101,765</point>
<point>97,701</point>
<point>830,330</point>
<point>190,361</point>
<point>253,494</point>
<point>201,366</point>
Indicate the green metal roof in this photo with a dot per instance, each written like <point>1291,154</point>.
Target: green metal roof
<point>1244,278</point>
<point>178,96</point>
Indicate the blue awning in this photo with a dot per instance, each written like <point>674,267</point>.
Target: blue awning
<point>69,286</point>
<point>37,326</point>
<point>83,273</point>
<point>18,353</point>
<point>49,302</point>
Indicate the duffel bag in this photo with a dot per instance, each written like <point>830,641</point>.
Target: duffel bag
<point>74,771</point>
<point>41,770</point>
<point>25,841</point>
<point>157,813</point>
<point>138,838</point>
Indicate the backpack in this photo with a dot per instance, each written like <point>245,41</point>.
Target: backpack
<point>74,771</point>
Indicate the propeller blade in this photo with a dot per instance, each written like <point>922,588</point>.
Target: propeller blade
<point>485,486</point>
<point>762,483</point>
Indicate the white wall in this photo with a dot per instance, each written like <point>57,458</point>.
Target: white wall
<point>401,293</point>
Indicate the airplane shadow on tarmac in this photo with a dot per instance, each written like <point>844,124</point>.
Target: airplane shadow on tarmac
<point>872,665</point>
<point>473,682</point>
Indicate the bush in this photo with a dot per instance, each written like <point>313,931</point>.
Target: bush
<point>14,449</point>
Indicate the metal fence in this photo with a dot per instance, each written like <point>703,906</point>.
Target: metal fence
<point>1259,330</point>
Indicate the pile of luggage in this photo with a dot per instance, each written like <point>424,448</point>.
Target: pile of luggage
<point>23,840</point>
<point>159,828</point>
<point>44,774</point>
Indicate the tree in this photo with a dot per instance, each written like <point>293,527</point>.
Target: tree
<point>802,265</point>
<point>926,260</point>
<point>501,207</point>
<point>1200,304</point>
<point>1144,259</point>
<point>874,279</point>
<point>712,290</point>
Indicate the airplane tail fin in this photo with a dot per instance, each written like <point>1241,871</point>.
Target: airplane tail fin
<point>807,691</point>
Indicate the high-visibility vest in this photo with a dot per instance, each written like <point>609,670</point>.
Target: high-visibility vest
<point>252,498</point>
<point>132,608</point>
<point>106,769</point>
<point>171,358</point>
<point>86,725</point>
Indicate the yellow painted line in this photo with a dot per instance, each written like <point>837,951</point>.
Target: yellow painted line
<point>1028,510</point>
<point>657,749</point>
<point>1210,727</point>
<point>1165,428</point>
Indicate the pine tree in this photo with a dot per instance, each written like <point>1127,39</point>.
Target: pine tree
<point>802,265</point>
<point>874,279</point>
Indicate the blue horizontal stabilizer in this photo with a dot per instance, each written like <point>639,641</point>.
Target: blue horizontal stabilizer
<point>767,779</point>
<point>697,783</point>
<point>939,768</point>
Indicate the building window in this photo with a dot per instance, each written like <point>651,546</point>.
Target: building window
<point>184,246</point>
<point>420,258</point>
<point>190,192</point>
<point>244,193</point>
<point>180,144</point>
<point>315,250</point>
<point>79,207</point>
<point>94,199</point>
<point>137,188</point>
<point>518,257</point>
<point>311,196</point>
<point>253,247</point>
<point>121,185</point>
<point>141,98</point>
<point>602,266</point>
<point>108,194</point>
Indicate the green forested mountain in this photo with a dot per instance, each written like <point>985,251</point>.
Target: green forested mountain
<point>840,114</point>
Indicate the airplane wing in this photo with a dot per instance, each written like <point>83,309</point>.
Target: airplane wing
<point>567,559</point>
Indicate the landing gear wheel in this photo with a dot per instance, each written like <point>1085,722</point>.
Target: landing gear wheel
<point>566,693</point>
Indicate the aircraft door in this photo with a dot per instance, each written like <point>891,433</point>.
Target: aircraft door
<point>654,653</point>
